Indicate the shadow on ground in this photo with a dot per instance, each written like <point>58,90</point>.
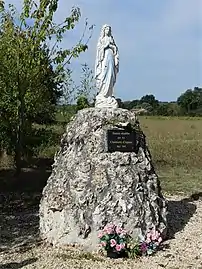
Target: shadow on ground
<point>180,212</point>
<point>19,206</point>
<point>32,178</point>
<point>17,265</point>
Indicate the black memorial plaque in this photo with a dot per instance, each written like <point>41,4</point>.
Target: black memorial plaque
<point>121,140</point>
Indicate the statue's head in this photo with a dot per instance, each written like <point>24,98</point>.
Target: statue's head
<point>106,30</point>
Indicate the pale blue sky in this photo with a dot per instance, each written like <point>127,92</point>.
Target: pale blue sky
<point>160,43</point>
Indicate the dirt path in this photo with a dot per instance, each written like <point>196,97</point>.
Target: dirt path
<point>20,248</point>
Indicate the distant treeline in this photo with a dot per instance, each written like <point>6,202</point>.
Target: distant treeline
<point>188,103</point>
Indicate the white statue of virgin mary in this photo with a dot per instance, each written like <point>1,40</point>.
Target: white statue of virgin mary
<point>106,69</point>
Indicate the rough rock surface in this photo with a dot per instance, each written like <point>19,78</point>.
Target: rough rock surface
<point>90,187</point>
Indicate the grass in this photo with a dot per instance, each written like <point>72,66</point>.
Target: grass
<point>175,145</point>
<point>176,148</point>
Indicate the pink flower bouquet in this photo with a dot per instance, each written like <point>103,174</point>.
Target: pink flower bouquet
<point>113,238</point>
<point>116,240</point>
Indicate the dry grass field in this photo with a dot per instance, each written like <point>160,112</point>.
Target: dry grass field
<point>175,145</point>
<point>176,148</point>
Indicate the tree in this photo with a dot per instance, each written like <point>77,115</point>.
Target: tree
<point>69,89</point>
<point>168,109</point>
<point>191,100</point>
<point>87,84</point>
<point>32,69</point>
<point>150,99</point>
<point>120,103</point>
<point>148,107</point>
<point>131,104</point>
<point>82,102</point>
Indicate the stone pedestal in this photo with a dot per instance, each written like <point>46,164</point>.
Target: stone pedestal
<point>90,186</point>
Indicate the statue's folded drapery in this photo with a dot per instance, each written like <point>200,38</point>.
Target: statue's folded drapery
<point>106,67</point>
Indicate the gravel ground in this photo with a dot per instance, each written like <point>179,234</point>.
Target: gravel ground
<point>20,246</point>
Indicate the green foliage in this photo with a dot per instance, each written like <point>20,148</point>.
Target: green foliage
<point>87,84</point>
<point>68,89</point>
<point>131,104</point>
<point>133,248</point>
<point>39,139</point>
<point>32,71</point>
<point>169,109</point>
<point>147,106</point>
<point>150,103</point>
<point>191,101</point>
<point>150,99</point>
<point>65,113</point>
<point>147,102</point>
<point>82,102</point>
<point>188,103</point>
<point>120,103</point>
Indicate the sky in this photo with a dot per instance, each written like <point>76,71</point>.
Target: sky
<point>159,41</point>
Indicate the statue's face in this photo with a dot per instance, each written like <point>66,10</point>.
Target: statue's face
<point>107,31</point>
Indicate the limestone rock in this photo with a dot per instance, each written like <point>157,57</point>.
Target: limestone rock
<point>90,187</point>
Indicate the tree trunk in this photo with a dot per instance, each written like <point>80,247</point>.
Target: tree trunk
<point>17,159</point>
<point>20,140</point>
<point>20,127</point>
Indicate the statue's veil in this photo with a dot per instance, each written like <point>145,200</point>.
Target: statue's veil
<point>99,52</point>
<point>99,45</point>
